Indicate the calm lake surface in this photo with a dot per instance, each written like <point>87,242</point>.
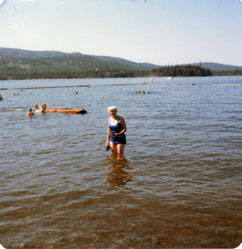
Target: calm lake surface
<point>180,186</point>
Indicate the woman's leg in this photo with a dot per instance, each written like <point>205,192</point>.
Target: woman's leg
<point>113,148</point>
<point>120,149</point>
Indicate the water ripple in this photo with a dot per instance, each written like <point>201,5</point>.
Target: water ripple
<point>180,186</point>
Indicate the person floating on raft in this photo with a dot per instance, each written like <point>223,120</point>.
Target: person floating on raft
<point>44,108</point>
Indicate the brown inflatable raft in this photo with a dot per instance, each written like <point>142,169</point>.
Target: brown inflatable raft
<point>66,110</point>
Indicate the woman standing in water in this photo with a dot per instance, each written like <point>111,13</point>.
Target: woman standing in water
<point>116,138</point>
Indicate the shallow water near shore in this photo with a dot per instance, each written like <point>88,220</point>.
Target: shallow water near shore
<point>179,185</point>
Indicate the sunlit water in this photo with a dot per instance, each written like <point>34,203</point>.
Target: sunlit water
<point>180,185</point>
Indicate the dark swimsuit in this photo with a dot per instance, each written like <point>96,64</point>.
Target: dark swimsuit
<point>121,139</point>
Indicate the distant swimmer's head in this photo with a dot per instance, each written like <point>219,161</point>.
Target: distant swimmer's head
<point>112,110</point>
<point>30,113</point>
<point>43,106</point>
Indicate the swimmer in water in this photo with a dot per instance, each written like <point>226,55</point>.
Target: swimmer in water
<point>42,109</point>
<point>30,113</point>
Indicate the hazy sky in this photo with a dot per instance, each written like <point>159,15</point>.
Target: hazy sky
<point>155,31</point>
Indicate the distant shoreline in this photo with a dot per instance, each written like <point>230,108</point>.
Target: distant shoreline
<point>168,81</point>
<point>50,78</point>
<point>169,71</point>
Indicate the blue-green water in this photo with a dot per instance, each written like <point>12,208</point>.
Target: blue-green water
<point>181,183</point>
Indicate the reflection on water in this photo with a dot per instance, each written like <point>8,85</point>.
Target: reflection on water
<point>118,174</point>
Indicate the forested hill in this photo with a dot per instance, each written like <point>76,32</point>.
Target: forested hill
<point>20,53</point>
<point>181,71</point>
<point>26,64</point>
<point>11,53</point>
<point>218,67</point>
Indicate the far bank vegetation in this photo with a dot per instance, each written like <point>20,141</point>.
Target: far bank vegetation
<point>57,69</point>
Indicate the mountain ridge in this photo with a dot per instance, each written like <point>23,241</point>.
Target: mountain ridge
<point>30,64</point>
<point>218,66</point>
<point>14,53</point>
<point>7,53</point>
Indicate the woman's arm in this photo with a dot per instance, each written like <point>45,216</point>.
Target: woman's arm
<point>108,140</point>
<point>122,122</point>
<point>108,133</point>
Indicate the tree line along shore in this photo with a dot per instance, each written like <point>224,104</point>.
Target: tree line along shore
<point>18,73</point>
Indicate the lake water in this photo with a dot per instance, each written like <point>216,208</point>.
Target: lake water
<point>179,187</point>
